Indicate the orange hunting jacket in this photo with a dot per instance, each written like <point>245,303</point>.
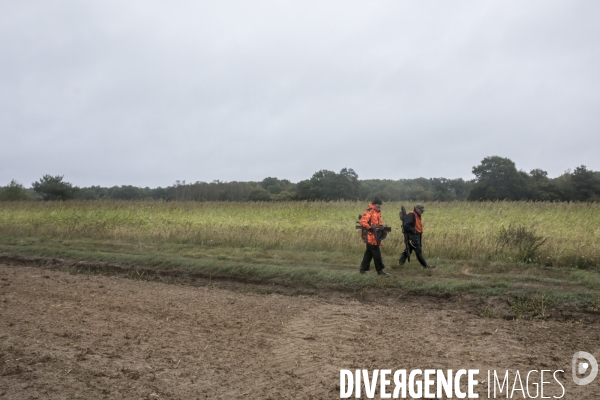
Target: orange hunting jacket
<point>371,216</point>
<point>413,223</point>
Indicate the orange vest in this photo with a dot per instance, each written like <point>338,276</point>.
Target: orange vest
<point>371,216</point>
<point>418,223</point>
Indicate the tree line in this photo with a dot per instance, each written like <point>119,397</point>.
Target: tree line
<point>496,178</point>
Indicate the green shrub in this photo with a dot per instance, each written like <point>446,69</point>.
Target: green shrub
<point>523,242</point>
<point>14,191</point>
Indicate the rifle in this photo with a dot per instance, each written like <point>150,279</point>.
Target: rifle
<point>380,231</point>
<point>363,233</point>
<point>406,238</point>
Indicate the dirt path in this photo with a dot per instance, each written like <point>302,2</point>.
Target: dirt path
<point>65,336</point>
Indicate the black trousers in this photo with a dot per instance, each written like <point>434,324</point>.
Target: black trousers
<point>372,253</point>
<point>416,241</point>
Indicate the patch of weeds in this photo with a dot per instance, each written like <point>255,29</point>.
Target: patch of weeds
<point>526,307</point>
<point>585,263</point>
<point>518,306</point>
<point>594,306</point>
<point>521,240</point>
<point>499,283</point>
<point>538,304</point>
<point>487,312</point>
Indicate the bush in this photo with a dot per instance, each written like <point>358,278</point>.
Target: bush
<point>521,240</point>
<point>14,191</point>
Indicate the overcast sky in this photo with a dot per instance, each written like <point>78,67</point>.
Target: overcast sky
<point>149,92</point>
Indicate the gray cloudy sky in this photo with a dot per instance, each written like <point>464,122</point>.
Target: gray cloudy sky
<point>148,92</point>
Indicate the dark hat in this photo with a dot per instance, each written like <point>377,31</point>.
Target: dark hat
<point>377,200</point>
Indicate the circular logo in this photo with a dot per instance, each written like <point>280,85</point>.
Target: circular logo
<point>581,367</point>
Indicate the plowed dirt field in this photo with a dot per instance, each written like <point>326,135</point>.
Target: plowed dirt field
<point>70,336</point>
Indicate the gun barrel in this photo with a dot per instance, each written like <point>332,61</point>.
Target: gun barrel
<point>406,238</point>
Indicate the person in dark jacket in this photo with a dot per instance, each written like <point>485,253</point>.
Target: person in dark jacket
<point>370,219</point>
<point>414,227</point>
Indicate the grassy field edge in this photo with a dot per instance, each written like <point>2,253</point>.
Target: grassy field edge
<point>519,298</point>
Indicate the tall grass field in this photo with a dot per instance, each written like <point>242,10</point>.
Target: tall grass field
<point>547,251</point>
<point>550,234</point>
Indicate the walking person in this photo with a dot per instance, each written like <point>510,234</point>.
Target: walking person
<point>413,226</point>
<point>370,220</point>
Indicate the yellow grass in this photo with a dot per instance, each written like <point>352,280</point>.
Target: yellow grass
<point>457,230</point>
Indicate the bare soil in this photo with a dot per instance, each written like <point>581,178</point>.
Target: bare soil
<point>72,336</point>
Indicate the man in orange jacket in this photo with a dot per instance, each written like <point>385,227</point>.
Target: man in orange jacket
<point>370,219</point>
<point>414,227</point>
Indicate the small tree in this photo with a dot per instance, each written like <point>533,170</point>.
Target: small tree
<point>14,191</point>
<point>53,188</point>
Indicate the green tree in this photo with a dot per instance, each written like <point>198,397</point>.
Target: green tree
<point>542,188</point>
<point>126,192</point>
<point>92,193</point>
<point>305,190</point>
<point>276,186</point>
<point>497,178</point>
<point>327,185</point>
<point>586,184</point>
<point>54,188</point>
<point>14,191</point>
<point>259,194</point>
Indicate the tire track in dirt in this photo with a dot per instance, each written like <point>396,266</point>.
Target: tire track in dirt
<point>312,346</point>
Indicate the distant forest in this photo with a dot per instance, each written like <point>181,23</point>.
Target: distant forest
<point>496,178</point>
